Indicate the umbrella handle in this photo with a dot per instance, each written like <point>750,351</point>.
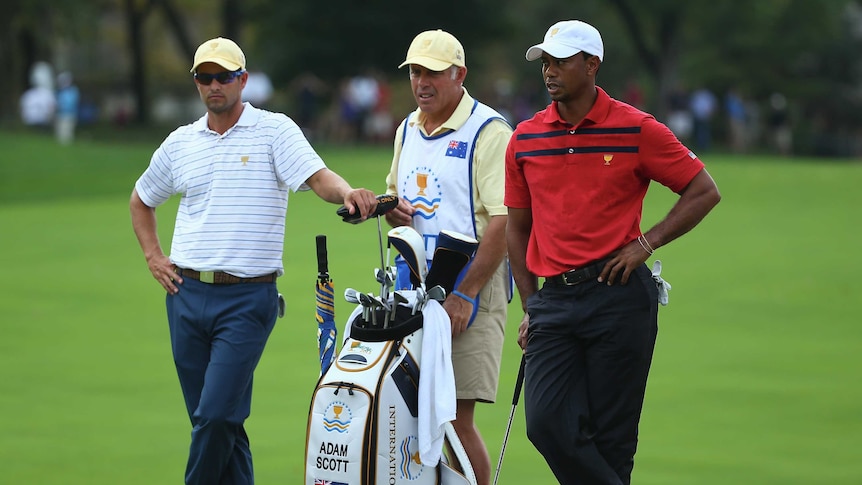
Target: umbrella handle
<point>322,259</point>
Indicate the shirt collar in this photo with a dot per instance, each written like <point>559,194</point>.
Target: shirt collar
<point>459,116</point>
<point>249,117</point>
<point>597,114</point>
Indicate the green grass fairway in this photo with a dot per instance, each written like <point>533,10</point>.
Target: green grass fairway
<point>756,377</point>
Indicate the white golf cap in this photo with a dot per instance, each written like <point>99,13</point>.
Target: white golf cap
<point>568,37</point>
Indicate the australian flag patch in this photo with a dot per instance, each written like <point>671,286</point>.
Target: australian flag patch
<point>457,149</point>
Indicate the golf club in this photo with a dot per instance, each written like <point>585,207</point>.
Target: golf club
<point>518,383</point>
<point>380,304</point>
<point>360,298</point>
<point>372,305</point>
<point>420,300</point>
<point>437,293</point>
<point>399,298</point>
<point>386,278</point>
<point>352,296</point>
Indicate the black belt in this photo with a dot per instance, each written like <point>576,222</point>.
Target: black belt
<point>222,278</point>
<point>577,276</point>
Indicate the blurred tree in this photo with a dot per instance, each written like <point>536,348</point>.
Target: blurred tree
<point>805,49</point>
<point>232,19</point>
<point>342,37</point>
<point>29,31</point>
<point>137,12</point>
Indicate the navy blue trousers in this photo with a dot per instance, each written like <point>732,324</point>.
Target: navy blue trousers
<point>218,333</point>
<point>588,355</point>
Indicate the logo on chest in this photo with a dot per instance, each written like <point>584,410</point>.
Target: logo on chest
<point>421,187</point>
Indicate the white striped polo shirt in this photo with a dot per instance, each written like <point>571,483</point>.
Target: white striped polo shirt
<point>234,190</point>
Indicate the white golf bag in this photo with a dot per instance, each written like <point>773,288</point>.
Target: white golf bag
<point>365,421</point>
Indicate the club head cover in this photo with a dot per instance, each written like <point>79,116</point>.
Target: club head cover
<point>454,250</point>
<point>385,203</point>
<point>411,247</point>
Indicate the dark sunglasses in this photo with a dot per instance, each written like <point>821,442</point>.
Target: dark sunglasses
<point>224,77</point>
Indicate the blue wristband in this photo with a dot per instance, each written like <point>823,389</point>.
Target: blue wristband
<point>462,295</point>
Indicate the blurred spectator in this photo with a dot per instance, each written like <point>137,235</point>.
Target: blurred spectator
<point>527,102</point>
<point>779,124</point>
<point>679,118</point>
<point>68,99</point>
<point>308,89</point>
<point>362,94</point>
<point>258,89</point>
<point>37,107</point>
<point>703,105</point>
<point>88,112</point>
<point>380,127</point>
<point>336,122</point>
<point>633,94</point>
<point>737,119</point>
<point>503,98</point>
<point>38,103</point>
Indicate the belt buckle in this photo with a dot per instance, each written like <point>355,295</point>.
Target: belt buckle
<point>208,276</point>
<point>565,278</point>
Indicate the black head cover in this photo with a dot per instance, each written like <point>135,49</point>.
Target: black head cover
<point>385,203</point>
<point>454,250</point>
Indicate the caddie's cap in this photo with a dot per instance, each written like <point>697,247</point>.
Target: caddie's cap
<point>221,51</point>
<point>435,50</point>
<point>566,38</point>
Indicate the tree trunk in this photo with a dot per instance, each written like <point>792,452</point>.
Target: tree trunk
<point>661,62</point>
<point>135,19</point>
<point>232,19</point>
<point>177,25</point>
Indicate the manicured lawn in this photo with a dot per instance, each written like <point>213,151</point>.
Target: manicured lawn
<point>755,378</point>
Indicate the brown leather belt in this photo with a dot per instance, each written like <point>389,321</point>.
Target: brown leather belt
<point>577,276</point>
<point>222,278</point>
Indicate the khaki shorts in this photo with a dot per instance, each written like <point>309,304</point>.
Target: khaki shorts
<point>476,353</point>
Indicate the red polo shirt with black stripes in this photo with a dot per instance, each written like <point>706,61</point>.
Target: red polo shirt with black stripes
<point>585,184</point>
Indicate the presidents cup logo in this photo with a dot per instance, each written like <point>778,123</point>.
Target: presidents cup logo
<point>411,466</point>
<point>337,417</point>
<point>357,346</point>
<point>357,354</point>
<point>422,189</point>
<point>403,456</point>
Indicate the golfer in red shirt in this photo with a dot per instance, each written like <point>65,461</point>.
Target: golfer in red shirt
<point>576,177</point>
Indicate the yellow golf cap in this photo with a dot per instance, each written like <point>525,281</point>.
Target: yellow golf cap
<point>435,50</point>
<point>221,51</point>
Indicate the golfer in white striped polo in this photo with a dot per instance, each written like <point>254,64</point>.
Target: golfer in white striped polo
<point>233,167</point>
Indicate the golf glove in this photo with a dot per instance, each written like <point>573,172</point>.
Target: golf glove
<point>663,286</point>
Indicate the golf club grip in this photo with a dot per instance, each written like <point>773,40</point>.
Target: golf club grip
<point>322,255</point>
<point>520,380</point>
<point>385,203</point>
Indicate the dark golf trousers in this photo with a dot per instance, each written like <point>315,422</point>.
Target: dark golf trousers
<point>218,333</point>
<point>587,360</point>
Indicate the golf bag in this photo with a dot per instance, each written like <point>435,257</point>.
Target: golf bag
<point>364,419</point>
